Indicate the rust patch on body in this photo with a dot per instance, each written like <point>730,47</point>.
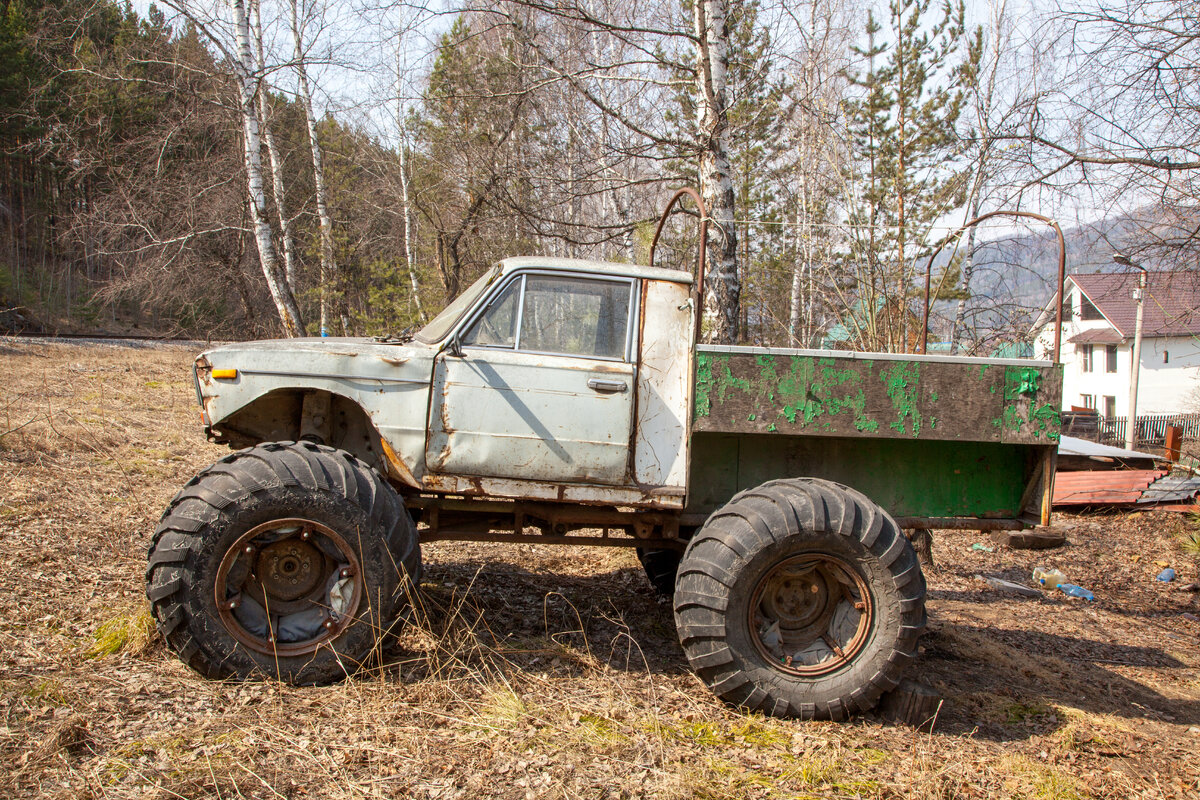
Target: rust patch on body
<point>396,465</point>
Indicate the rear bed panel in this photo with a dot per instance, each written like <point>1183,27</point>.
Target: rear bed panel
<point>926,437</point>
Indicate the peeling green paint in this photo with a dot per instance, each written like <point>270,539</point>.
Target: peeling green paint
<point>1019,381</point>
<point>703,384</point>
<point>727,379</point>
<point>884,398</point>
<point>901,381</point>
<point>1046,419</point>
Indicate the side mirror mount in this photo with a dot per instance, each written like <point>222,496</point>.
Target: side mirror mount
<point>454,346</point>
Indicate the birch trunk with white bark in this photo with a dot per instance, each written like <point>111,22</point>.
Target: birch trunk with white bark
<point>277,187</point>
<point>716,172</point>
<point>285,302</point>
<point>410,257</point>
<point>328,273</point>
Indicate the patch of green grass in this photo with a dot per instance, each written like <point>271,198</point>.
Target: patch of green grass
<point>720,779</point>
<point>599,732</point>
<point>46,692</point>
<point>1019,713</point>
<point>870,756</point>
<point>130,633</point>
<point>1029,779</point>
<point>1189,541</point>
<point>506,708</point>
<point>753,731</point>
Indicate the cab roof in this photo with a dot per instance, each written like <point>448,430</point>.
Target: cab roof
<point>508,265</point>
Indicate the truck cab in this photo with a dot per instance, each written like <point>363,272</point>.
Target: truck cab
<point>548,379</point>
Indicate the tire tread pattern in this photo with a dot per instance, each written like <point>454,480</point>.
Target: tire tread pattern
<point>764,517</point>
<point>239,477</point>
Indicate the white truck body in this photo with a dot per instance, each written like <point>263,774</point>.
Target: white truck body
<point>582,397</point>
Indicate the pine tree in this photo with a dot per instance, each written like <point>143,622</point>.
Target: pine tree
<point>904,165</point>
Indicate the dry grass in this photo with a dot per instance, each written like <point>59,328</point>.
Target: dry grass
<point>531,671</point>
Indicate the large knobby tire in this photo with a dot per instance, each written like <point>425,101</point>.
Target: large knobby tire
<point>285,560</point>
<point>800,598</point>
<point>660,567</point>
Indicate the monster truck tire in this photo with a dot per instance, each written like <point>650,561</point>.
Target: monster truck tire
<point>660,567</point>
<point>289,560</point>
<point>800,598</point>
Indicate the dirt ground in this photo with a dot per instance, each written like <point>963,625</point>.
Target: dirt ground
<point>537,671</point>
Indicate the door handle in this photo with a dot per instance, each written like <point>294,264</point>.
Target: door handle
<point>601,385</point>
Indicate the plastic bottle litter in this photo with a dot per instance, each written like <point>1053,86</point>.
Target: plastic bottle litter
<point>1071,590</point>
<point>1009,586</point>
<point>1166,576</point>
<point>1048,577</point>
<point>983,547</point>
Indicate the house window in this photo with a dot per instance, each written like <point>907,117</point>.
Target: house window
<point>1110,406</point>
<point>1085,364</point>
<point>1067,310</point>
<point>1088,400</point>
<point>1089,311</point>
<point>1166,356</point>
<point>1110,358</point>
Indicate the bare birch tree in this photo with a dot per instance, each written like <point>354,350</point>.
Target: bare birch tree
<point>277,183</point>
<point>328,271</point>
<point>247,78</point>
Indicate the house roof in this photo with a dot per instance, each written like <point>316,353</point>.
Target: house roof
<point>1171,308</point>
<point>1097,336</point>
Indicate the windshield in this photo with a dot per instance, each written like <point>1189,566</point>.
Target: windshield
<point>440,325</point>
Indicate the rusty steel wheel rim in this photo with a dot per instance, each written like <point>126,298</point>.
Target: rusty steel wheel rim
<point>811,614</point>
<point>288,586</point>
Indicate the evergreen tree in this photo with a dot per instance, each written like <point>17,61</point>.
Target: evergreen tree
<point>904,169</point>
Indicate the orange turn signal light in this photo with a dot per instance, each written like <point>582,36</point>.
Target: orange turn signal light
<point>224,373</point>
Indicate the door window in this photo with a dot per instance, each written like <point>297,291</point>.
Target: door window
<point>559,315</point>
<point>497,327</point>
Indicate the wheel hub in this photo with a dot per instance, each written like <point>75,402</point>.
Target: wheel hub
<point>810,614</point>
<point>288,586</point>
<point>289,569</point>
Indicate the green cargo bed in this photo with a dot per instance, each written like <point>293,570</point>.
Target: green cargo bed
<point>937,441</point>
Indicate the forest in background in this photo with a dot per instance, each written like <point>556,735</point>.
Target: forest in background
<point>200,169</point>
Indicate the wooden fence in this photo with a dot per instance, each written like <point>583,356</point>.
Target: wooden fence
<point>1151,430</point>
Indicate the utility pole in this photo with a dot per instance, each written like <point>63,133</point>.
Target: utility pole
<point>1139,296</point>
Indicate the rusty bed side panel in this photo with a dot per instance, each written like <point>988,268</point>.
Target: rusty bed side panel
<point>844,395</point>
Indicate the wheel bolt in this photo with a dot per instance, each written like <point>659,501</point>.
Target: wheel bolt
<point>305,535</point>
<point>231,605</point>
<point>346,572</point>
<point>329,624</point>
<point>249,549</point>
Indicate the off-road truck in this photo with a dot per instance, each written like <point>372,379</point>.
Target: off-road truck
<point>568,402</point>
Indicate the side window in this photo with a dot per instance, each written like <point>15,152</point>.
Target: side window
<point>498,325</point>
<point>575,316</point>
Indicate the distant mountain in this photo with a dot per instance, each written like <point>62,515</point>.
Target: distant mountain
<point>1015,276</point>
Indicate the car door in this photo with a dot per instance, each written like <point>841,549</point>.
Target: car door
<point>541,386</point>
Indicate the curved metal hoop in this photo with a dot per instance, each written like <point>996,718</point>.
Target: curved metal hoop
<point>1062,272</point>
<point>702,259</point>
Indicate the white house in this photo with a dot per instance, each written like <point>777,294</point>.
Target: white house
<point>1097,342</point>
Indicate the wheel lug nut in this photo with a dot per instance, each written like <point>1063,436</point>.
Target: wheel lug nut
<point>249,549</point>
<point>346,572</point>
<point>305,535</point>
